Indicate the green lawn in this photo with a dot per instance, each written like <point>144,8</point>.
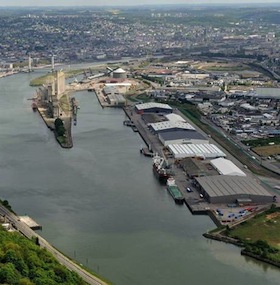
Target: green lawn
<point>262,227</point>
<point>41,80</point>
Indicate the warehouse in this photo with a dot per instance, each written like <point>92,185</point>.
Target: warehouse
<point>226,167</point>
<point>174,118</point>
<point>224,189</point>
<point>203,151</point>
<point>182,137</point>
<point>116,100</point>
<point>169,126</point>
<point>153,107</point>
<point>110,90</point>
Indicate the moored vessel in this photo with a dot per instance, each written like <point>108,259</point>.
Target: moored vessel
<point>159,169</point>
<point>174,191</point>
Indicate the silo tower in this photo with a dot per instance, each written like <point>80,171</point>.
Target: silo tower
<point>119,73</point>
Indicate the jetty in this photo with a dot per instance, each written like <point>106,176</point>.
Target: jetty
<point>30,223</point>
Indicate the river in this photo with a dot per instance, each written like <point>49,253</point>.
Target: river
<point>100,204</point>
<point>273,93</point>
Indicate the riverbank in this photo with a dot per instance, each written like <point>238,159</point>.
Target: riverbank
<point>65,141</point>
<point>259,237</point>
<point>132,238</point>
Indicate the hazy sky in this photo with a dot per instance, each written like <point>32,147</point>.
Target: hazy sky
<point>121,2</point>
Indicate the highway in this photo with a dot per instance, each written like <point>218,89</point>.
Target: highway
<point>29,233</point>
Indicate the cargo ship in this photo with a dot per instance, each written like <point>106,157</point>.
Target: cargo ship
<point>174,191</point>
<point>159,169</point>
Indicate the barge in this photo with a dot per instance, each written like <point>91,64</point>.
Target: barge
<point>174,191</point>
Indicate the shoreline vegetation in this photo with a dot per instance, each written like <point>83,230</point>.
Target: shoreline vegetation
<point>259,237</point>
<point>23,261</point>
<point>44,79</point>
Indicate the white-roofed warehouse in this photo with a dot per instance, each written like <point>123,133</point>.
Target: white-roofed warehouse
<point>232,189</point>
<point>153,107</point>
<point>226,167</point>
<point>174,118</point>
<point>195,150</point>
<point>167,126</point>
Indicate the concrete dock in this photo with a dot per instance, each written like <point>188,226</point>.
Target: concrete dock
<point>195,204</point>
<point>30,223</point>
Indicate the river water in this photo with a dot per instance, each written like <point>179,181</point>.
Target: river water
<point>100,204</point>
<point>273,93</point>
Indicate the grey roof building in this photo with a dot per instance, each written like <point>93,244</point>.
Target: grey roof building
<point>232,189</point>
<point>182,137</point>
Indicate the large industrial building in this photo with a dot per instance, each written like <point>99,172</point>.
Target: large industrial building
<point>182,137</point>
<point>203,151</point>
<point>226,167</point>
<point>153,107</point>
<point>223,189</point>
<point>169,126</point>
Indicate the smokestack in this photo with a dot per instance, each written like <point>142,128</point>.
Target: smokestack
<point>29,64</point>
<point>52,63</point>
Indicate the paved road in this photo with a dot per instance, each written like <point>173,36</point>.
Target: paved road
<point>29,233</point>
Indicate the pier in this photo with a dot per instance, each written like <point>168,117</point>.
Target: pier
<point>196,205</point>
<point>30,223</point>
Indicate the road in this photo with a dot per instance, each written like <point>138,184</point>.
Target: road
<point>29,233</point>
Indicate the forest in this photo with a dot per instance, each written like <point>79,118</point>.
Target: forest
<point>23,262</point>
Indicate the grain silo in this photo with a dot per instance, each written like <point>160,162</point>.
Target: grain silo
<point>119,73</point>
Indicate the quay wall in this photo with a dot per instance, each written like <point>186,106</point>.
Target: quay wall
<point>155,145</point>
<point>139,127</point>
<point>260,258</point>
<point>49,123</point>
<point>238,243</point>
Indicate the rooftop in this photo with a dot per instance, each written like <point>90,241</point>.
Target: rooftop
<point>152,105</point>
<point>223,185</point>
<point>183,134</point>
<point>227,167</point>
<point>199,150</point>
<point>160,126</point>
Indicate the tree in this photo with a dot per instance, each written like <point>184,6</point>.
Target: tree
<point>25,281</point>
<point>8,274</point>
<point>59,127</point>
<point>58,122</point>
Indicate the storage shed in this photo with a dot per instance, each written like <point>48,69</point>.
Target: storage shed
<point>153,107</point>
<point>226,167</point>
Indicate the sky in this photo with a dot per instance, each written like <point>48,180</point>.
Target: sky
<point>122,2</point>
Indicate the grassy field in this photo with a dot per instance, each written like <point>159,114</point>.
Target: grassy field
<point>262,227</point>
<point>267,150</point>
<point>215,66</point>
<point>49,77</point>
<point>41,80</point>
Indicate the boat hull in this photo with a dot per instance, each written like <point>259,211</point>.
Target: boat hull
<point>162,177</point>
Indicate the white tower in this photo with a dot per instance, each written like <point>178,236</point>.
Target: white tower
<point>29,64</point>
<point>52,63</point>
